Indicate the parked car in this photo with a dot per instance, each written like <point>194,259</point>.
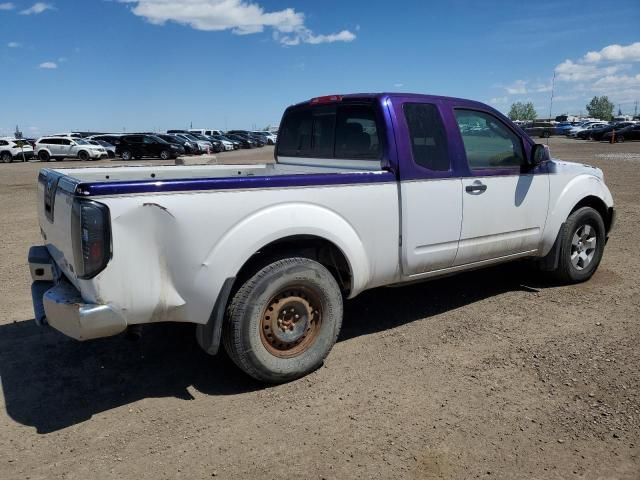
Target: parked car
<point>209,144</point>
<point>111,149</point>
<point>58,148</point>
<point>598,133</point>
<point>263,256</point>
<point>110,138</point>
<point>203,146</point>
<point>630,132</point>
<point>269,138</point>
<point>190,148</point>
<point>540,129</point>
<point>236,144</point>
<point>245,142</point>
<point>586,126</point>
<point>204,131</point>
<point>142,145</point>
<point>15,149</point>
<point>227,144</point>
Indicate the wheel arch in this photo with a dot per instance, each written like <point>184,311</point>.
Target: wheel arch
<point>597,204</point>
<point>581,191</point>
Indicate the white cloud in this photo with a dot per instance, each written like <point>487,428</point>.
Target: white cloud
<point>240,16</point>
<point>617,82</point>
<point>37,8</point>
<point>48,65</point>
<point>14,45</point>
<point>615,53</point>
<point>570,71</point>
<point>7,6</point>
<point>519,87</point>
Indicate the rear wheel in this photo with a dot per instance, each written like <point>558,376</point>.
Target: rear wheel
<point>44,156</point>
<point>284,320</point>
<point>581,246</point>
<point>620,138</point>
<point>6,157</point>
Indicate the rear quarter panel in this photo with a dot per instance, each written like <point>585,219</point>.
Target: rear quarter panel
<point>173,252</point>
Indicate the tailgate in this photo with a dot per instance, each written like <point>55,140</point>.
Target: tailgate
<point>55,203</point>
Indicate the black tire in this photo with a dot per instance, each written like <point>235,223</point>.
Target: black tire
<point>127,155</point>
<point>545,135</point>
<point>6,157</point>
<point>82,155</point>
<point>165,154</point>
<point>620,138</point>
<point>258,321</point>
<point>44,156</point>
<point>566,271</point>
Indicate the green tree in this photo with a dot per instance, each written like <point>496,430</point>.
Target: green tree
<point>522,111</point>
<point>601,108</point>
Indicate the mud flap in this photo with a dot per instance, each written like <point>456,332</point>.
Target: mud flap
<point>550,261</point>
<point>209,334</point>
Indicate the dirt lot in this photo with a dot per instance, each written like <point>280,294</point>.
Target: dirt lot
<point>475,376</point>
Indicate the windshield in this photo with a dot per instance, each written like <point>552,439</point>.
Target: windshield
<point>79,141</point>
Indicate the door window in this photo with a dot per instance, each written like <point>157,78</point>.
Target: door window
<point>488,142</point>
<point>427,136</point>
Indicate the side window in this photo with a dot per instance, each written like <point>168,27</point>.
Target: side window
<point>488,142</point>
<point>149,140</point>
<point>64,141</point>
<point>427,135</point>
<point>134,139</point>
<point>3,143</point>
<point>357,133</point>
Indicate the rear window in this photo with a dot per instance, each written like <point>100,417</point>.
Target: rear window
<point>347,131</point>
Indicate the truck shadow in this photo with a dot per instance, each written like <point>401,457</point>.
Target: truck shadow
<point>51,382</point>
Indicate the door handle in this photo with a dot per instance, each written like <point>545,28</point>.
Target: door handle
<point>476,188</point>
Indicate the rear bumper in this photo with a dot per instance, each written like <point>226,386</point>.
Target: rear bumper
<point>58,303</point>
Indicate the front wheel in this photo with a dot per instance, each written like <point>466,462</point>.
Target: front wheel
<point>84,156</point>
<point>284,320</point>
<point>127,155</point>
<point>581,245</point>
<point>620,138</point>
<point>165,155</point>
<point>44,156</point>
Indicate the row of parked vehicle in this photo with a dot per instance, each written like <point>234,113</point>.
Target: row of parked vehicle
<point>95,146</point>
<point>607,131</point>
<point>587,130</point>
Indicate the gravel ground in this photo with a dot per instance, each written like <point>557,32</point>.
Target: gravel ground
<point>491,374</point>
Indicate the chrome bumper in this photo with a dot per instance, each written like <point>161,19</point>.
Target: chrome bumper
<point>58,303</point>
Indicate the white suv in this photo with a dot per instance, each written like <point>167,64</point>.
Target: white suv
<point>48,148</point>
<point>12,148</point>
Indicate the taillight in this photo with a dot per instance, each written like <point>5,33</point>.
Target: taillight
<point>91,237</point>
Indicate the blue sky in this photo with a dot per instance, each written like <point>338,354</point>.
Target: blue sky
<point>158,64</point>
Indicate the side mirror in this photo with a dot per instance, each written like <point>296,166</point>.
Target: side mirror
<point>539,154</point>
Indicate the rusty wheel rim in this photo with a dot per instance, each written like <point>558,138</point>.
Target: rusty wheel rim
<point>291,321</point>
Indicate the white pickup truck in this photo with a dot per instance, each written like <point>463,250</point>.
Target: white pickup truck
<point>367,190</point>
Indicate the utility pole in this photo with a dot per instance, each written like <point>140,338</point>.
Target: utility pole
<point>635,109</point>
<point>553,84</point>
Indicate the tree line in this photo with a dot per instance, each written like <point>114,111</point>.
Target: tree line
<point>598,107</point>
